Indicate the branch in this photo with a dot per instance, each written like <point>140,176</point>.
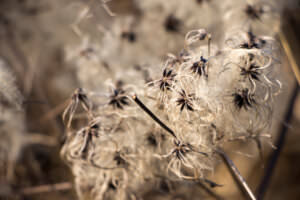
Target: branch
<point>263,186</point>
<point>239,180</point>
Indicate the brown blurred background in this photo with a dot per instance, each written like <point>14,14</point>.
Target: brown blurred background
<point>33,35</point>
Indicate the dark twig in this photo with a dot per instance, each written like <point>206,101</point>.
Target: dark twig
<point>209,191</point>
<point>202,182</point>
<point>263,186</point>
<point>142,106</point>
<point>205,184</point>
<point>239,180</point>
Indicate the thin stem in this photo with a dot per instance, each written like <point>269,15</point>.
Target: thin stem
<point>200,182</point>
<point>211,183</point>
<point>239,180</point>
<point>46,188</point>
<point>208,44</point>
<point>51,114</point>
<point>263,186</point>
<point>143,107</point>
<point>209,191</point>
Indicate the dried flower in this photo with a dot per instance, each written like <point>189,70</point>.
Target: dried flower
<point>165,83</point>
<point>185,101</point>
<point>79,96</point>
<point>244,99</point>
<point>118,99</point>
<point>200,67</point>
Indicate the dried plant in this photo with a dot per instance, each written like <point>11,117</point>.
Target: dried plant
<point>197,102</point>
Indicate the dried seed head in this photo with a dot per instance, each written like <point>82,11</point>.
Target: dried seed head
<point>253,42</point>
<point>196,35</point>
<point>165,83</point>
<point>151,139</point>
<point>172,24</point>
<point>243,99</point>
<point>252,72</point>
<point>184,101</point>
<point>254,12</point>
<point>118,99</point>
<point>130,36</point>
<point>200,67</point>
<point>79,96</point>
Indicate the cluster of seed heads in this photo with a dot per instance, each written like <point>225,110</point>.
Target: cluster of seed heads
<point>188,101</point>
<point>169,129</point>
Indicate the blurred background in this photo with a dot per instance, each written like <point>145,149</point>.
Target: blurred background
<point>41,45</point>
